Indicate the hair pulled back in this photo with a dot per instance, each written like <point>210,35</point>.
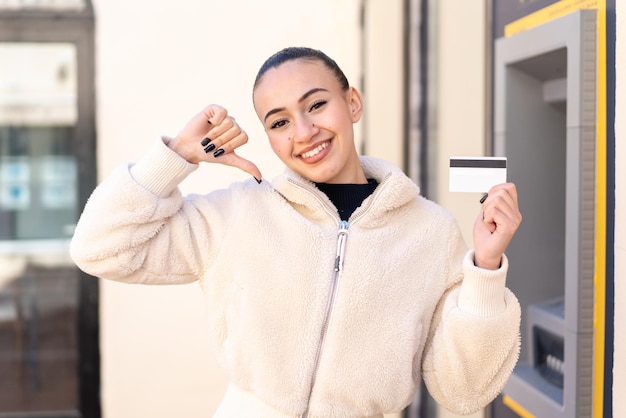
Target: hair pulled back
<point>302,53</point>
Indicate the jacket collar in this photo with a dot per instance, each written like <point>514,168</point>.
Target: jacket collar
<point>394,190</point>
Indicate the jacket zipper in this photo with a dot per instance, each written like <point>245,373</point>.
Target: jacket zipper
<point>342,237</point>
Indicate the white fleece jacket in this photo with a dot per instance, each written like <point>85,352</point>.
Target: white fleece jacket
<point>296,329</point>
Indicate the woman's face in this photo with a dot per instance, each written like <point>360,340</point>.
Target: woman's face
<point>308,119</point>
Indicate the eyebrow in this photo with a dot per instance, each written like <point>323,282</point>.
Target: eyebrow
<point>300,100</point>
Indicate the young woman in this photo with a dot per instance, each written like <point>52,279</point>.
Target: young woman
<point>333,288</point>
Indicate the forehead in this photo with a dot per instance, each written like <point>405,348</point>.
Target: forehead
<point>294,78</point>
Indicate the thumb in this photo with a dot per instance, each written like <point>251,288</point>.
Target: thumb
<point>241,163</point>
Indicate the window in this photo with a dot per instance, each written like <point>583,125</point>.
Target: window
<point>48,309</point>
<point>45,5</point>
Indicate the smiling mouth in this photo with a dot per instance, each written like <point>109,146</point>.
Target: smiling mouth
<point>315,150</point>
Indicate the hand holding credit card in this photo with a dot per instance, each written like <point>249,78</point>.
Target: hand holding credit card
<point>476,174</point>
<point>499,216</point>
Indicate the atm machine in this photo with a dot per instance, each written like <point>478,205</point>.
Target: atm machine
<point>545,124</point>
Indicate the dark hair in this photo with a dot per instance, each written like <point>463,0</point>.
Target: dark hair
<point>303,53</point>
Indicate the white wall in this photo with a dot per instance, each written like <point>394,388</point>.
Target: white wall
<point>619,370</point>
<point>461,97</point>
<point>383,118</point>
<point>158,63</point>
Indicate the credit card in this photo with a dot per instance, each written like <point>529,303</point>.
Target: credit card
<point>476,174</point>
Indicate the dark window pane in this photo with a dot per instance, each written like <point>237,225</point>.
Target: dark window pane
<point>38,340</point>
<point>38,182</point>
<point>40,290</point>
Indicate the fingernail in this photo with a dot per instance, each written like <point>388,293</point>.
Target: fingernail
<point>210,148</point>
<point>218,152</point>
<point>257,180</point>
<point>205,141</point>
<point>482,199</point>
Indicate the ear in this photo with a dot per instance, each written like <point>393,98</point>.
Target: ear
<point>356,104</point>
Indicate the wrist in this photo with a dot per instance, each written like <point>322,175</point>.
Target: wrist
<point>180,147</point>
<point>161,169</point>
<point>487,263</point>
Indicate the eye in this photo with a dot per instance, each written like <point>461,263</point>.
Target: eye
<point>318,104</point>
<point>278,124</point>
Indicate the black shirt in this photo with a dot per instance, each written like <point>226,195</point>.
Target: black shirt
<point>347,197</point>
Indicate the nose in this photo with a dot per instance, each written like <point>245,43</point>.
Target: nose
<point>305,129</point>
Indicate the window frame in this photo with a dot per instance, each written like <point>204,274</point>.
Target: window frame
<point>76,27</point>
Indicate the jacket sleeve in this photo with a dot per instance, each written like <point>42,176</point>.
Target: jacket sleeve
<point>137,228</point>
<point>474,341</point>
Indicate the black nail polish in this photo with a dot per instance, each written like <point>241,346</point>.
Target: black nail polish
<point>205,141</point>
<point>482,199</point>
<point>210,148</point>
<point>218,152</point>
<point>257,180</point>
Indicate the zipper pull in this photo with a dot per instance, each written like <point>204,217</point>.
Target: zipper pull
<point>342,237</point>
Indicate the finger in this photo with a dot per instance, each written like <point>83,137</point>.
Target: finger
<point>223,134</point>
<point>489,222</point>
<point>227,142</point>
<point>504,197</point>
<point>214,114</point>
<point>222,127</point>
<point>508,188</point>
<point>510,207</point>
<point>247,166</point>
<point>501,221</point>
<point>501,202</point>
<point>226,155</point>
<point>234,160</point>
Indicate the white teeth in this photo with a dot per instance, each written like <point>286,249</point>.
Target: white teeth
<point>314,151</point>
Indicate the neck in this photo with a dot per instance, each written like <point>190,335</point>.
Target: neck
<point>352,173</point>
